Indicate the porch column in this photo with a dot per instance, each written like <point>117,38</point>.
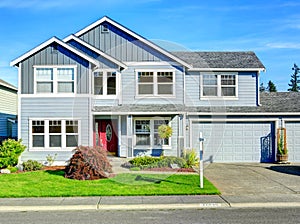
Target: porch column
<point>130,135</point>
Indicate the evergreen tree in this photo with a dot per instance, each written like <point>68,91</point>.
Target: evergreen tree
<point>294,87</point>
<point>271,87</point>
<point>262,88</point>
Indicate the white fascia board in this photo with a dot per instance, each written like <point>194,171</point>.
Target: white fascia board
<point>226,69</point>
<point>243,114</point>
<point>82,42</point>
<point>147,42</point>
<point>138,113</point>
<point>47,43</point>
<point>8,86</point>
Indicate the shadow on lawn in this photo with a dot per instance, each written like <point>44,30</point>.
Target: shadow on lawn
<point>156,180</point>
<point>56,172</point>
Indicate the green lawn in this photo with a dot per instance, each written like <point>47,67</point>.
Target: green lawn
<point>53,184</point>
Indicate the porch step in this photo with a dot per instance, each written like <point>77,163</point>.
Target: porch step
<point>116,163</point>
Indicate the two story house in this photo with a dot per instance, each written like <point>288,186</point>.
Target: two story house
<point>107,85</point>
<point>8,111</point>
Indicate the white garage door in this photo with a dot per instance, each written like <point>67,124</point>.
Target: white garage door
<point>293,141</point>
<point>235,142</point>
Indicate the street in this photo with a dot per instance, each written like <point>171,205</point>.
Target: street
<point>229,215</point>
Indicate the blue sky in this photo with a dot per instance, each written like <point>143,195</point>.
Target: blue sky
<point>271,28</point>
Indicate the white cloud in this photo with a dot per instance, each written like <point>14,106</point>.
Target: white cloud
<point>283,45</point>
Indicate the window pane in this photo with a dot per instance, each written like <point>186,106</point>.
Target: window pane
<point>210,80</point>
<point>145,77</point>
<point>165,77</point>
<point>228,79</point>
<point>44,74</point>
<point>54,126</point>
<point>145,89</point>
<point>65,74</point>
<point>38,141</point>
<point>111,83</point>
<point>38,127</point>
<point>142,139</point>
<point>98,83</point>
<point>44,87</point>
<point>228,91</point>
<point>71,126</point>
<point>65,87</point>
<point>55,140</point>
<point>165,89</point>
<point>210,91</point>
<point>142,126</point>
<point>72,141</point>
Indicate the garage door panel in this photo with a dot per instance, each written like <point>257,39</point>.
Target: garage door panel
<point>232,142</point>
<point>293,140</point>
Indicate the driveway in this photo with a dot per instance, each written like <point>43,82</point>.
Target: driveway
<point>236,179</point>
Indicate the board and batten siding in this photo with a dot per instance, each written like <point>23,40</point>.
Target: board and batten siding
<point>247,87</point>
<point>129,85</point>
<point>49,57</point>
<point>120,45</point>
<point>55,108</point>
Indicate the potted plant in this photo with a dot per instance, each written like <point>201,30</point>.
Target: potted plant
<point>282,152</point>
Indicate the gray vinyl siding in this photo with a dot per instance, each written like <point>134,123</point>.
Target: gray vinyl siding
<point>61,57</point>
<point>120,45</point>
<point>247,91</point>
<point>53,108</point>
<point>129,85</point>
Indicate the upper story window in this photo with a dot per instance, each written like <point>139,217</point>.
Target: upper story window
<point>155,83</point>
<point>105,83</point>
<point>54,79</point>
<point>219,85</point>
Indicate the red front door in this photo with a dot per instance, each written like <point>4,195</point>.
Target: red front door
<point>106,135</point>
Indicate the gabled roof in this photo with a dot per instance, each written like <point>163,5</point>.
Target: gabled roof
<point>135,35</point>
<point>96,50</point>
<point>7,85</point>
<point>47,43</point>
<point>214,61</point>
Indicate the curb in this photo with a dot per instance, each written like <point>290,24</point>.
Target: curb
<point>130,207</point>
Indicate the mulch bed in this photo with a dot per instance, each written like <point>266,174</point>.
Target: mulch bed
<point>54,168</point>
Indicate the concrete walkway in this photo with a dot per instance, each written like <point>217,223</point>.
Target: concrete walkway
<point>242,185</point>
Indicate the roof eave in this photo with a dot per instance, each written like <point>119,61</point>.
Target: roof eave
<point>47,43</point>
<point>226,69</point>
<point>108,57</point>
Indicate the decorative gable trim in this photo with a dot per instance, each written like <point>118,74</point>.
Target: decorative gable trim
<point>47,43</point>
<point>108,57</point>
<point>140,38</point>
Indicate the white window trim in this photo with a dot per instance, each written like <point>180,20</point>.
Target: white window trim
<point>155,94</point>
<point>219,96</point>
<point>104,95</point>
<point>151,146</point>
<point>55,80</point>
<point>47,134</point>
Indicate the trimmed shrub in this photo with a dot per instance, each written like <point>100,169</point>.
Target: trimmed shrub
<point>169,160</point>
<point>145,161</point>
<point>10,150</point>
<point>88,163</point>
<point>32,165</point>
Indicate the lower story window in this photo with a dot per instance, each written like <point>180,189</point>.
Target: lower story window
<point>146,133</point>
<point>54,134</point>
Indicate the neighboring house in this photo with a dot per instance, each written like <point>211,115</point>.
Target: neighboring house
<point>8,111</point>
<point>106,85</point>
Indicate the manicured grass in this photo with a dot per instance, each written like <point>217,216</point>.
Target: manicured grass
<point>53,184</point>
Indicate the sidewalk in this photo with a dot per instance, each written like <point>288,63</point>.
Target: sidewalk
<point>242,186</point>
